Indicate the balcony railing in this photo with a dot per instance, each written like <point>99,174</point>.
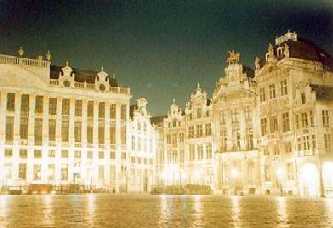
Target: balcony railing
<point>90,86</point>
<point>8,59</point>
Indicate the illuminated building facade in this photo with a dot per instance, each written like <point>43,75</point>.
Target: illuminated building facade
<point>173,168</point>
<point>188,142</point>
<point>142,137</point>
<point>61,125</point>
<point>234,115</point>
<point>199,160</point>
<point>294,87</point>
<point>271,129</point>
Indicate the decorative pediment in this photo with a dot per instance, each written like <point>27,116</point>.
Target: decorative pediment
<point>66,76</point>
<point>102,80</point>
<point>175,110</point>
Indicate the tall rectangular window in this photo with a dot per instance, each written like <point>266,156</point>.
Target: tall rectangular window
<point>123,134</point>
<point>64,172</point>
<point>123,112</point>
<point>38,131</point>
<point>272,93</point>
<point>37,168</point>
<point>112,134</point>
<point>22,171</point>
<point>284,87</point>
<point>274,124</point>
<point>52,106</point>
<point>208,129</point>
<point>263,123</point>
<point>305,119</point>
<point>11,102</point>
<point>101,110</point>
<point>192,152</point>
<point>199,130</point>
<point>65,106</point>
<point>78,107</point>
<point>112,111</point>
<point>90,134</point>
<point>325,118</point>
<point>191,131</point>
<point>65,130</point>
<point>9,129</point>
<point>209,150</point>
<point>77,131</point>
<point>262,95</point>
<point>39,104</point>
<point>52,129</point>
<point>24,128</point>
<point>90,109</point>
<point>25,103</point>
<point>285,122</point>
<point>101,134</point>
<point>328,143</point>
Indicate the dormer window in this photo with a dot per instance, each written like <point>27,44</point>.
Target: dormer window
<point>280,51</point>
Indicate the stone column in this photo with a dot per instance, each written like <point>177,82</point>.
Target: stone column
<point>118,148</point>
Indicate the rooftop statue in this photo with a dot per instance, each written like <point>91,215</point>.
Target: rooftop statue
<point>233,57</point>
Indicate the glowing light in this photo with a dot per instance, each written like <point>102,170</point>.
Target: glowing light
<point>198,221</point>
<point>328,177</point>
<point>164,210</point>
<point>282,209</point>
<point>280,173</point>
<point>235,203</point>
<point>234,173</point>
<point>171,174</point>
<point>310,180</point>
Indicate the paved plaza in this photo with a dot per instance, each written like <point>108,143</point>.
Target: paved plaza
<point>99,210</point>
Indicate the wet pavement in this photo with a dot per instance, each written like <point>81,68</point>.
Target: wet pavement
<point>99,210</point>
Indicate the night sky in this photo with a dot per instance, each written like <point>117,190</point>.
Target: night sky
<point>160,49</point>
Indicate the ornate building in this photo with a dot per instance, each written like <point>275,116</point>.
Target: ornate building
<point>61,125</point>
<point>267,131</point>
<point>173,169</point>
<point>234,118</point>
<point>294,85</point>
<point>199,160</point>
<point>188,142</point>
<point>142,137</point>
<point>264,131</point>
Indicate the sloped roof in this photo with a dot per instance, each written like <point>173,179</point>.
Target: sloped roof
<point>323,92</point>
<point>305,49</point>
<point>157,120</point>
<point>80,75</point>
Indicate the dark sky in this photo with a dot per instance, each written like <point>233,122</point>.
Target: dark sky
<point>160,49</point>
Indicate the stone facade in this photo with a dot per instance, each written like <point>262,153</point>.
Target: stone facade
<point>263,131</point>
<point>142,138</point>
<point>271,128</point>
<point>61,126</point>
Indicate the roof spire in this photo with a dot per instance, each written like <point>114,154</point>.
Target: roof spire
<point>48,55</point>
<point>67,63</point>
<point>102,68</point>
<point>198,85</point>
<point>173,100</point>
